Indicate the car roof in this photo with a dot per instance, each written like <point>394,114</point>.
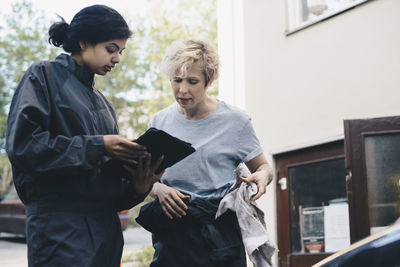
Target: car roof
<point>372,238</point>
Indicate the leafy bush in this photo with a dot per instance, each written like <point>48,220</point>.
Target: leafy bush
<point>5,173</point>
<point>139,259</point>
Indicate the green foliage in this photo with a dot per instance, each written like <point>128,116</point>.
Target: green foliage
<point>23,40</point>
<point>5,174</point>
<point>4,100</point>
<point>144,257</point>
<point>141,258</point>
<point>136,87</point>
<point>138,71</point>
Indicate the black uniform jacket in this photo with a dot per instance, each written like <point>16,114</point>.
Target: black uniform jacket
<point>54,142</point>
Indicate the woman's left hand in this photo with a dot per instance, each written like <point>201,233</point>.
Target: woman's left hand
<point>260,178</point>
<point>261,174</point>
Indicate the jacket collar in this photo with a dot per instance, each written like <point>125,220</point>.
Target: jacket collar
<point>81,72</point>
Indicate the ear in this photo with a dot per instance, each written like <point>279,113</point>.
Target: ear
<point>82,46</point>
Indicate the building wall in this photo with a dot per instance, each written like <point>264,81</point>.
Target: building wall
<point>299,88</point>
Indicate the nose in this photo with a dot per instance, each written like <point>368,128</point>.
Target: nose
<point>116,59</point>
<point>183,88</point>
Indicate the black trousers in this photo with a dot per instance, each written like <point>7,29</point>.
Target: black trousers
<point>72,239</point>
<point>196,240</point>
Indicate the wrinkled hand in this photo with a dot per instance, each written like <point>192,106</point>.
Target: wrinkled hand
<point>143,176</point>
<point>171,200</point>
<point>260,178</point>
<point>123,149</point>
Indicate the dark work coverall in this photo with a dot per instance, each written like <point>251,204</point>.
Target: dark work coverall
<point>55,144</point>
<point>195,240</point>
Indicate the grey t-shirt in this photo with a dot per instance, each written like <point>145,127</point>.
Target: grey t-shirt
<point>222,140</point>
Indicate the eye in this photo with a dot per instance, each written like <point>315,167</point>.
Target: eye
<point>111,49</point>
<point>193,81</point>
<point>177,79</point>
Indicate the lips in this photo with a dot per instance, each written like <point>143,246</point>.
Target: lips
<point>108,68</point>
<point>184,101</point>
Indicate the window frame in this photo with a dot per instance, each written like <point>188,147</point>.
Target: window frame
<point>283,161</point>
<point>355,132</point>
<point>290,13</point>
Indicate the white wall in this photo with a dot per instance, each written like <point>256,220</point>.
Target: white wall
<point>299,88</point>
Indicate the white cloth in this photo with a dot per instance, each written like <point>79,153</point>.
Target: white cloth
<point>257,243</point>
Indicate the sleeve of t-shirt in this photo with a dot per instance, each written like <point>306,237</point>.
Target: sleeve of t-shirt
<point>154,121</point>
<point>151,123</point>
<point>248,145</point>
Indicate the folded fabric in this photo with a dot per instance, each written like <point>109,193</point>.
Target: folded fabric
<point>259,246</point>
<point>160,143</point>
<point>196,239</point>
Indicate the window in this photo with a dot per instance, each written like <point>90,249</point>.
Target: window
<point>313,213</point>
<point>314,189</point>
<point>382,156</point>
<point>372,158</point>
<point>333,194</point>
<point>304,13</point>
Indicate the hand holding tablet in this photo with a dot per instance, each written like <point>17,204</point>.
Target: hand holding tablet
<point>160,143</point>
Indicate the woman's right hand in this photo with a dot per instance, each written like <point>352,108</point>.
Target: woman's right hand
<point>171,200</point>
<point>144,176</point>
<point>123,149</point>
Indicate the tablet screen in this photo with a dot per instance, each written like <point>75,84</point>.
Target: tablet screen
<point>160,143</point>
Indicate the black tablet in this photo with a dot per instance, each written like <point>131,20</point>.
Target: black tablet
<point>160,143</point>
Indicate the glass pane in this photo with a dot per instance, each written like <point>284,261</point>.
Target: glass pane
<point>382,158</point>
<point>317,190</point>
<point>305,12</point>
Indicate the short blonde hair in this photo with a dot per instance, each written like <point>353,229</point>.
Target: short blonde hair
<point>182,54</point>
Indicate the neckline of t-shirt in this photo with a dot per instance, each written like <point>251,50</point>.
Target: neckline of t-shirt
<point>181,118</point>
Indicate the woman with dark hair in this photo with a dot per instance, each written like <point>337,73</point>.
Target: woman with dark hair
<point>70,166</point>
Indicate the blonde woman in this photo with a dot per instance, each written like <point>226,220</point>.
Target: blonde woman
<point>186,233</point>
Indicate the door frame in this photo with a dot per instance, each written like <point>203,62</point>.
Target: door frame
<point>355,133</point>
<point>284,160</point>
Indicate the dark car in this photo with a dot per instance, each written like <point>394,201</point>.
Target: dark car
<point>12,213</point>
<point>381,249</point>
<point>13,217</point>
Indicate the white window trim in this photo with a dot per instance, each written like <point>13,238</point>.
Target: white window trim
<point>293,16</point>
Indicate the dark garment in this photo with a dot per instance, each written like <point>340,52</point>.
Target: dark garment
<point>197,239</point>
<point>72,239</point>
<point>54,141</point>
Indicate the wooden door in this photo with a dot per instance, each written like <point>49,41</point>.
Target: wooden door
<point>308,179</point>
<point>372,149</point>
